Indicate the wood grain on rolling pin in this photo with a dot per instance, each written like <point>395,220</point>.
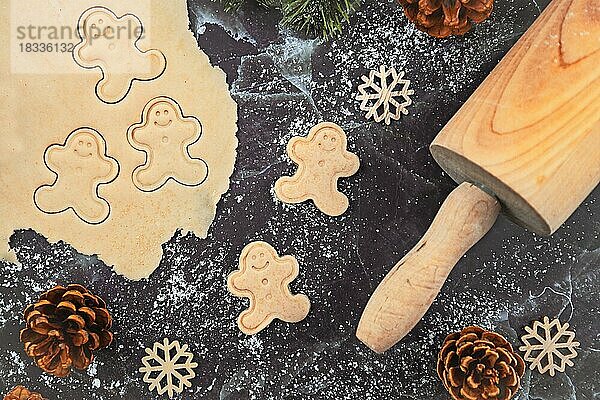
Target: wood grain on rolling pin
<point>531,131</point>
<point>407,291</point>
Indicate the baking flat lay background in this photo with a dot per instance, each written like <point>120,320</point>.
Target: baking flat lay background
<point>283,86</point>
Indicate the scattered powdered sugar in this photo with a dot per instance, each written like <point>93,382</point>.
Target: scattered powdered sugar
<point>284,84</point>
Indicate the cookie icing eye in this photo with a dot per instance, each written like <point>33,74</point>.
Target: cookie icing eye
<point>166,112</point>
<point>262,255</point>
<point>158,113</point>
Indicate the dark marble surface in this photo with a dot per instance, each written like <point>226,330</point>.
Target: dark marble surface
<point>284,85</point>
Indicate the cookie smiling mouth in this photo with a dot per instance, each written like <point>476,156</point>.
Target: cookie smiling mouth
<point>163,125</point>
<point>261,268</point>
<point>83,155</point>
<point>327,148</point>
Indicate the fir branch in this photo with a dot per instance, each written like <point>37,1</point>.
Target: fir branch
<point>318,17</point>
<point>323,18</point>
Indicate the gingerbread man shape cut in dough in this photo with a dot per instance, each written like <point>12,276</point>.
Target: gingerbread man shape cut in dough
<point>322,159</point>
<point>109,42</point>
<point>81,165</point>
<point>165,135</point>
<point>264,277</point>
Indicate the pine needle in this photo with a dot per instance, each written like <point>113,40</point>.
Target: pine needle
<point>235,5</point>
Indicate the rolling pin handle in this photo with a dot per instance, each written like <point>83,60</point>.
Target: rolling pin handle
<point>409,289</point>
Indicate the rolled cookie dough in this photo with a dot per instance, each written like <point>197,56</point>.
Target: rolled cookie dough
<point>41,110</point>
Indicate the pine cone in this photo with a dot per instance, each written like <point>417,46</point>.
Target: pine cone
<point>475,364</point>
<point>64,327</point>
<point>442,18</point>
<point>21,393</point>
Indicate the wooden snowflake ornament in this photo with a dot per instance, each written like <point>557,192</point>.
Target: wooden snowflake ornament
<point>168,367</point>
<point>549,346</point>
<point>385,95</point>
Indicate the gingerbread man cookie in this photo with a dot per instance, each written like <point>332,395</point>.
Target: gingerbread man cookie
<point>81,166</point>
<point>109,42</point>
<point>322,159</point>
<point>264,277</point>
<point>165,135</point>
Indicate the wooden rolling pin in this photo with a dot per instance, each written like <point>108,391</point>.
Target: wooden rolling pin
<point>527,141</point>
